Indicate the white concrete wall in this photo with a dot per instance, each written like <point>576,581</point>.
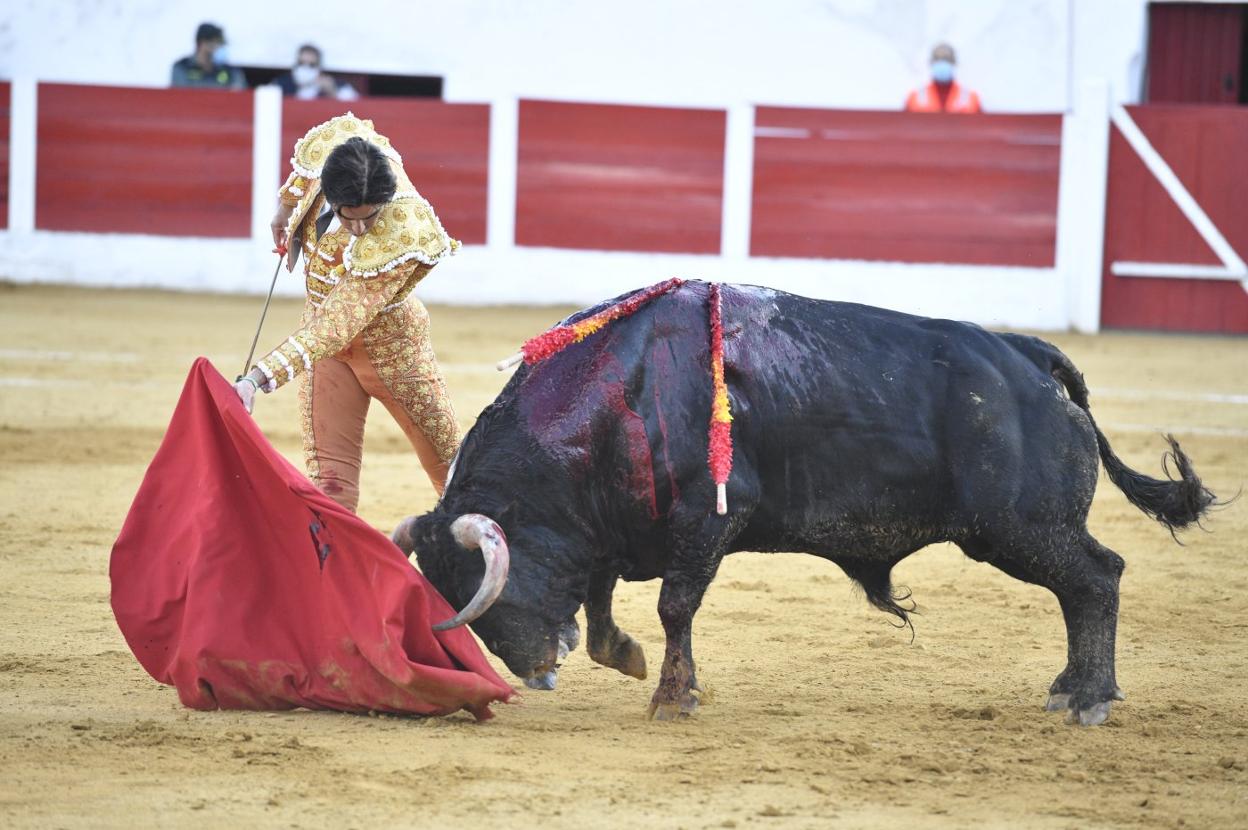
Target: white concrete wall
<point>825,53</point>
<point>1032,298</point>
<point>1110,43</point>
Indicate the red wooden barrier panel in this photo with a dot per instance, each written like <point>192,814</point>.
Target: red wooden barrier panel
<point>445,149</point>
<point>6,91</point>
<point>1207,148</point>
<point>173,162</point>
<point>906,187</point>
<point>620,178</point>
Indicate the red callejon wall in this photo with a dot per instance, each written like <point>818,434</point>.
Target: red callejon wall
<point>445,150</point>
<point>906,187</point>
<point>620,178</point>
<point>1207,148</point>
<point>6,92</point>
<point>173,162</point>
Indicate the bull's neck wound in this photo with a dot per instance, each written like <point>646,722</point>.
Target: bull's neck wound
<point>719,451</point>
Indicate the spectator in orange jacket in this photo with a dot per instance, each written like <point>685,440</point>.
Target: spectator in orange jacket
<point>943,93</point>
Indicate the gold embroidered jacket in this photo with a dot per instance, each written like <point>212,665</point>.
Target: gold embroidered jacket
<point>352,282</point>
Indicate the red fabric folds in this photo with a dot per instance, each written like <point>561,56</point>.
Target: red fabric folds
<point>237,581</point>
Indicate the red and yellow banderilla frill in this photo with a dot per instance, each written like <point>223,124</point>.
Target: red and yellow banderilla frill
<point>719,453</point>
<point>550,343</point>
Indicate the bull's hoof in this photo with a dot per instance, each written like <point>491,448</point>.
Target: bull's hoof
<point>622,653</point>
<point>543,682</point>
<point>683,708</point>
<point>1093,715</point>
<point>1090,714</point>
<point>1057,702</point>
<point>569,637</point>
<point>630,658</point>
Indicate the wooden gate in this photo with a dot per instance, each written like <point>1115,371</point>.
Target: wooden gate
<point>1175,226</point>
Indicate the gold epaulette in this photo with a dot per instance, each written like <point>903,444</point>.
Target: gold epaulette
<point>406,230</point>
<point>312,150</point>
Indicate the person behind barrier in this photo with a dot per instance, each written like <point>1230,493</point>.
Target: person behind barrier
<point>943,93</point>
<point>308,80</point>
<point>209,67</point>
<point>367,238</point>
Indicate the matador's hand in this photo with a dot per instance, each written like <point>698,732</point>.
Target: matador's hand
<point>278,225</point>
<point>246,389</point>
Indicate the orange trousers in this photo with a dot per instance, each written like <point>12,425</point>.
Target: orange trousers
<point>334,400</point>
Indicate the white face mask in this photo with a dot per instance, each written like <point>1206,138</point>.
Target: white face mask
<point>304,75</point>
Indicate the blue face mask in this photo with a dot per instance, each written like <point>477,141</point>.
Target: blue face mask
<point>942,71</point>
<point>221,55</point>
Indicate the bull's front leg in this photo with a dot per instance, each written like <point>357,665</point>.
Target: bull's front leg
<point>679,600</point>
<point>608,645</point>
<point>569,639</point>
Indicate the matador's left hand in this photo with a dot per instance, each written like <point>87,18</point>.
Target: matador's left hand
<point>246,389</point>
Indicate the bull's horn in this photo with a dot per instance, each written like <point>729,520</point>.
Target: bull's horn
<point>402,536</point>
<point>472,531</point>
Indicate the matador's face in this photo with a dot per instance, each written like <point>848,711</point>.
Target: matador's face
<point>357,219</point>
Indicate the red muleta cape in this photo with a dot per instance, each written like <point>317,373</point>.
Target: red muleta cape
<point>239,582</point>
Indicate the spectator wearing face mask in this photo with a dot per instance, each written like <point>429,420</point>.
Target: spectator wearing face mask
<point>943,93</point>
<point>307,80</point>
<point>209,67</point>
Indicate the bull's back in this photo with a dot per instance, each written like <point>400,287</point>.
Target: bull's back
<point>843,414</point>
<point>853,416</point>
<point>849,375</point>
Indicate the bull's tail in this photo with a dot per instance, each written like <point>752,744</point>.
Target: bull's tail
<point>1174,502</point>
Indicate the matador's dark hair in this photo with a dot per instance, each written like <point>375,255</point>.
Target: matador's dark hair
<point>357,173</point>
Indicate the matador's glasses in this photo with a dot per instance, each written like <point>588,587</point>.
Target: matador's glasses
<point>337,209</point>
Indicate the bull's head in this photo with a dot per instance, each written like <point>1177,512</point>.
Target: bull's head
<point>515,620</point>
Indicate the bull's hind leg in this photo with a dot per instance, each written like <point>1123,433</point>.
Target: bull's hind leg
<point>1084,576</point>
<point>1088,685</point>
<point>607,644</point>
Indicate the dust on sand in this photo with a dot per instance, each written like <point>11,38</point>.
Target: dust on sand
<point>823,715</point>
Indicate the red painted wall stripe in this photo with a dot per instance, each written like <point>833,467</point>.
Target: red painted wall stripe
<point>906,187</point>
<point>173,162</point>
<point>620,178</point>
<point>6,92</point>
<point>1207,148</point>
<point>445,149</point>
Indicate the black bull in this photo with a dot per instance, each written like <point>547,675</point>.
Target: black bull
<point>861,435</point>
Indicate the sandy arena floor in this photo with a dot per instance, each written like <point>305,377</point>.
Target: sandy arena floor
<point>823,715</point>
